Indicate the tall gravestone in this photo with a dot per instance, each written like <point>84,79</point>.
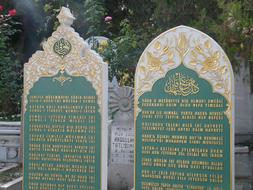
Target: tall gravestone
<point>121,159</point>
<point>65,114</point>
<point>184,114</point>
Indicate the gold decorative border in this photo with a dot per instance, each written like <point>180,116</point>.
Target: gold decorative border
<point>197,51</point>
<point>81,61</point>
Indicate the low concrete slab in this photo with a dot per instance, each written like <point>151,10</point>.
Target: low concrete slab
<point>16,184</point>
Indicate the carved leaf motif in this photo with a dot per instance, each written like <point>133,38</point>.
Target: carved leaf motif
<point>146,85</point>
<point>182,42</point>
<point>182,45</point>
<point>216,55</point>
<point>165,49</point>
<point>223,69</point>
<point>219,85</point>
<point>194,55</point>
<point>194,62</point>
<point>62,78</point>
<point>157,45</point>
<point>170,55</point>
<point>154,62</point>
<point>208,44</point>
<point>199,49</point>
<point>142,69</point>
<point>203,70</point>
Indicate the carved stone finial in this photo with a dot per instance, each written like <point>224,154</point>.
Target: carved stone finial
<point>65,17</point>
<point>122,99</point>
<point>115,82</point>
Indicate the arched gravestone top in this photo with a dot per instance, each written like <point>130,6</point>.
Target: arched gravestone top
<point>65,50</point>
<point>66,86</point>
<point>195,50</point>
<point>180,49</point>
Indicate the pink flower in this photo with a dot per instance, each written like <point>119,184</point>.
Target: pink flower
<point>12,12</point>
<point>1,7</point>
<point>108,19</point>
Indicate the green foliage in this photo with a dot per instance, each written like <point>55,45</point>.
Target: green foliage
<point>123,67</point>
<point>235,32</point>
<point>136,22</point>
<point>10,73</point>
<point>94,14</point>
<point>10,174</point>
<point>89,16</point>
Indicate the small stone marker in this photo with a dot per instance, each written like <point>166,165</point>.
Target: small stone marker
<point>9,143</point>
<point>184,114</point>
<point>65,114</point>
<point>121,161</point>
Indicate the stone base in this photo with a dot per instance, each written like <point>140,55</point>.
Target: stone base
<point>242,184</point>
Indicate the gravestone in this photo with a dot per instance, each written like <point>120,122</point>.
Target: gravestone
<point>121,159</point>
<point>184,114</point>
<point>65,114</point>
<point>9,143</point>
<point>243,168</point>
<point>243,107</point>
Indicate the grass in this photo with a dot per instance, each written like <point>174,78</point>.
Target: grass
<point>10,174</point>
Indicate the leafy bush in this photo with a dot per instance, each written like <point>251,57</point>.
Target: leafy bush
<point>10,69</point>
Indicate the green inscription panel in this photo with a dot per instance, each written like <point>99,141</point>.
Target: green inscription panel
<point>182,135</point>
<point>62,135</point>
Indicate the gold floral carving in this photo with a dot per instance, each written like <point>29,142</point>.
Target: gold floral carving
<point>76,59</point>
<point>211,63</point>
<point>194,49</point>
<point>182,46</point>
<point>62,78</point>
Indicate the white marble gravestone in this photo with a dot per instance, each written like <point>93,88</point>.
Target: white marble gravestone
<point>184,78</point>
<point>121,159</point>
<point>65,113</point>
